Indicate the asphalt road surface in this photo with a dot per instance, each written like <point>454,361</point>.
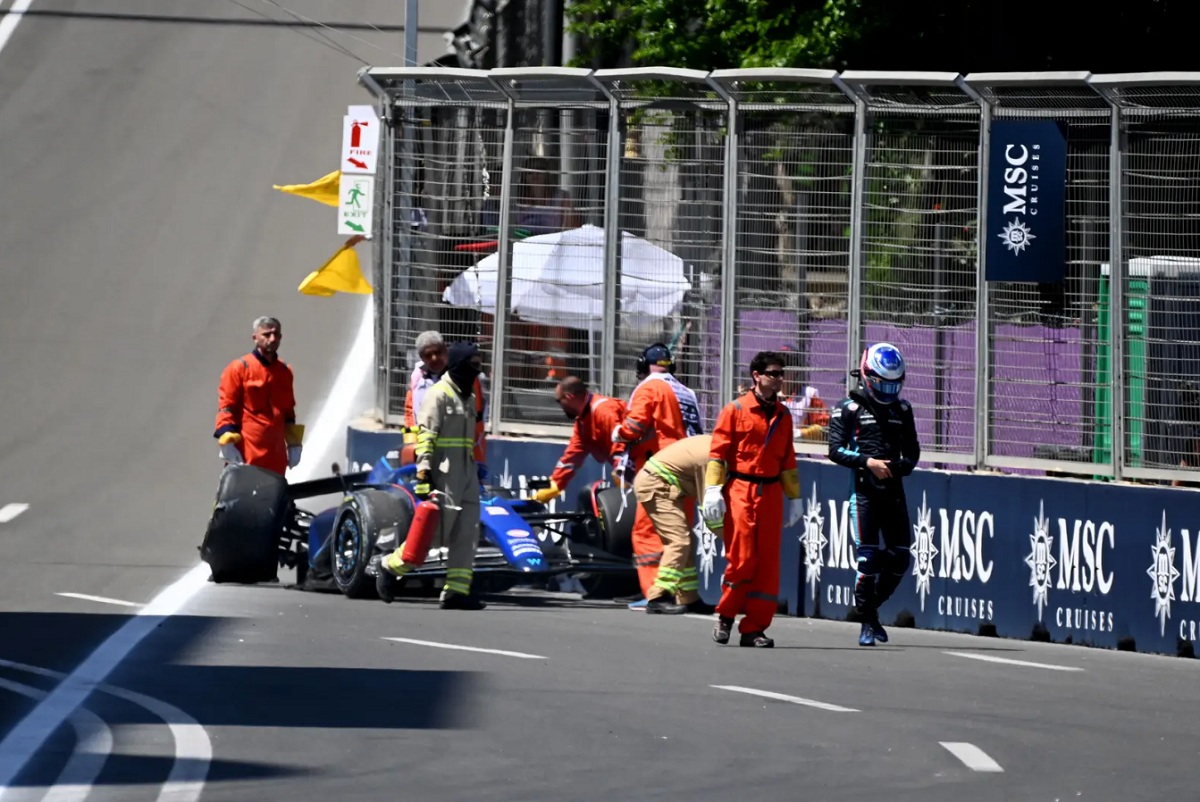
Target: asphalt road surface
<point>139,238</point>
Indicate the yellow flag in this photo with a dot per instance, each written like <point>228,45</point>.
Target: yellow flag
<point>342,273</point>
<point>323,190</point>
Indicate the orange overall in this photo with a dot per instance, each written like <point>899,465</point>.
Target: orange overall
<point>592,436</point>
<point>654,421</point>
<point>753,456</point>
<point>256,400</point>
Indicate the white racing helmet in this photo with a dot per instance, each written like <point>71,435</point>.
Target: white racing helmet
<point>882,372</point>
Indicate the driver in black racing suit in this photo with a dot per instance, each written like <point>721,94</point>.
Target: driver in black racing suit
<point>872,433</point>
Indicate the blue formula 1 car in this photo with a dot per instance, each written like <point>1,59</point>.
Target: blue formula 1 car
<point>256,527</point>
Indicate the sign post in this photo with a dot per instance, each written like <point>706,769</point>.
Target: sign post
<point>356,187</point>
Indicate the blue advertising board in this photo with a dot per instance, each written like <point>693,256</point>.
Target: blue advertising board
<point>1094,563</point>
<point>1026,211</point>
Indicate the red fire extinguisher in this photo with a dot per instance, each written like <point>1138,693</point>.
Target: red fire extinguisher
<point>421,531</point>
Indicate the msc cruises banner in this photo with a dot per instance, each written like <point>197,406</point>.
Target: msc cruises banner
<point>1026,214</point>
<point>1090,562</point>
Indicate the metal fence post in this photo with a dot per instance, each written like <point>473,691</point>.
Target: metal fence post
<point>612,242</point>
<point>983,360</point>
<point>381,274</point>
<point>729,211</point>
<point>854,319</point>
<point>503,272</point>
<point>1116,286</point>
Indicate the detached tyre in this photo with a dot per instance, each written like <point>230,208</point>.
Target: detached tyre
<point>366,517</point>
<point>616,526</point>
<point>615,535</point>
<point>241,543</point>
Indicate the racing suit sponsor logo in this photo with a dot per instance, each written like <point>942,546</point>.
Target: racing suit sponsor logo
<point>1080,569</point>
<point>813,541</point>
<point>953,550</point>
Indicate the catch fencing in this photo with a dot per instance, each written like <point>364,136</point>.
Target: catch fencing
<point>810,212</point>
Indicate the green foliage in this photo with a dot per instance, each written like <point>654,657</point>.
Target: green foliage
<point>714,34</point>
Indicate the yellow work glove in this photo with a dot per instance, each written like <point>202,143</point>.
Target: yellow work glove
<point>229,448</point>
<point>293,435</point>
<point>814,433</point>
<point>547,493</point>
<point>421,489</point>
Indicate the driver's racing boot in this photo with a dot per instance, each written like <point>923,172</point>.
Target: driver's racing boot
<point>866,636</point>
<point>722,629</point>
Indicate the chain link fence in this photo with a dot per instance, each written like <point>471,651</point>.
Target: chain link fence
<point>807,212</point>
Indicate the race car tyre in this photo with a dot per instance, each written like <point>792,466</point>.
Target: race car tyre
<point>616,537</point>
<point>616,527</point>
<point>241,543</point>
<point>365,516</point>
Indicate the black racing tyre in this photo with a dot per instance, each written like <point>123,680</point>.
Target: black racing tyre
<point>616,537</point>
<point>364,516</point>
<point>249,516</point>
<point>616,526</point>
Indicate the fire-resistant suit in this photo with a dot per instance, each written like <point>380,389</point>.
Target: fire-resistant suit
<point>667,489</point>
<point>860,429</point>
<point>446,465</point>
<point>256,403</point>
<point>753,458</point>
<point>661,411</point>
<point>418,384</point>
<point>591,437</point>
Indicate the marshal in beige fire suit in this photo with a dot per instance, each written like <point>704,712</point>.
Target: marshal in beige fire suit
<point>445,453</point>
<point>667,487</point>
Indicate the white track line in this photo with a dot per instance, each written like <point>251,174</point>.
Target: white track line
<point>971,756</point>
<point>101,599</point>
<point>193,749</point>
<point>10,511</point>
<point>783,697</point>
<point>1008,661</point>
<point>25,739</point>
<point>522,655</point>
<point>10,21</point>
<point>94,743</point>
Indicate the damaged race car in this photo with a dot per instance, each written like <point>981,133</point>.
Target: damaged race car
<point>256,528</point>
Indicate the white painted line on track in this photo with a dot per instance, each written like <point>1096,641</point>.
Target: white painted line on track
<point>1008,661</point>
<point>10,511</point>
<point>101,599</point>
<point>93,745</point>
<point>522,655</point>
<point>783,697</point>
<point>27,737</point>
<point>193,749</point>
<point>10,21</point>
<point>971,756</point>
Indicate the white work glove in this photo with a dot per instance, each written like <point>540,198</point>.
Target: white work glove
<point>616,433</point>
<point>795,511</point>
<point>228,444</point>
<point>713,507</point>
<point>294,455</point>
